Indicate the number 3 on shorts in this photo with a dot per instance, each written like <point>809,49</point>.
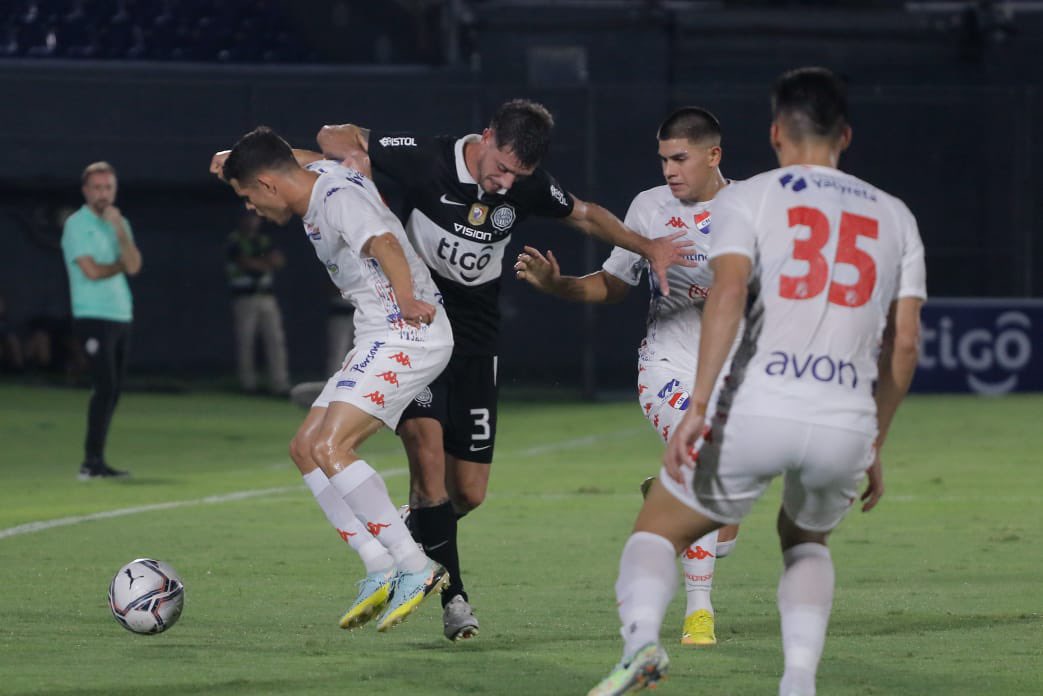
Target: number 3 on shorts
<point>481,422</point>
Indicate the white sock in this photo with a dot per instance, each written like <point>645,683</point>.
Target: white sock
<point>647,582</point>
<point>805,600</point>
<point>698,561</point>
<point>364,491</point>
<point>724,548</point>
<point>374,556</point>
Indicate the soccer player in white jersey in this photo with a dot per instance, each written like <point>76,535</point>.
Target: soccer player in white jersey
<point>690,153</point>
<point>402,341</point>
<point>830,273</point>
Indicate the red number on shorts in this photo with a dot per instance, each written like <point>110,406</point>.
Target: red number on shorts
<point>814,281</point>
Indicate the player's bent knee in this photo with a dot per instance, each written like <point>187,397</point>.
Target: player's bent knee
<point>324,452</point>
<point>467,500</point>
<point>300,453</point>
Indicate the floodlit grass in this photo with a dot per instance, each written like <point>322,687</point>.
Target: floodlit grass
<point>939,589</point>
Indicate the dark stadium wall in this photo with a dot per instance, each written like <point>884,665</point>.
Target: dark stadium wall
<point>965,158</point>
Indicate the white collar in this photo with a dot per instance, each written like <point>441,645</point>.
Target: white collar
<point>461,165</point>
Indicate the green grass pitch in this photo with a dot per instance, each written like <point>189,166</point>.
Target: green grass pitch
<point>939,590</point>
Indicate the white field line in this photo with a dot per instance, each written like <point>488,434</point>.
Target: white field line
<point>31,527</point>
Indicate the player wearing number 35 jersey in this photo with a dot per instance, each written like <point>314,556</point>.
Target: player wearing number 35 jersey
<point>829,272</point>
<point>831,253</point>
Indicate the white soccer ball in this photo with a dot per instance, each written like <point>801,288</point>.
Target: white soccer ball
<point>146,596</point>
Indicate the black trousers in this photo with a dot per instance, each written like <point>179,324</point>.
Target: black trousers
<point>106,344</point>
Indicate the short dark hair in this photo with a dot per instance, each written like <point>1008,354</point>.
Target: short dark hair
<point>693,123</point>
<point>810,103</point>
<point>258,150</point>
<point>96,168</point>
<point>524,127</point>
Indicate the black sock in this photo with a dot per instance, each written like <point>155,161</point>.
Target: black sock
<point>435,529</point>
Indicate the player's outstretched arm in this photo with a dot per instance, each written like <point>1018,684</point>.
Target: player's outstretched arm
<point>544,274</point>
<point>661,252</point>
<point>388,253</point>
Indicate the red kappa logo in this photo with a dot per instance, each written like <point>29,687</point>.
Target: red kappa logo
<point>376,397</point>
<point>402,359</point>
<point>345,535</point>
<point>699,553</point>
<point>666,433</point>
<point>374,529</point>
<point>389,376</point>
<point>641,389</point>
<point>677,223</point>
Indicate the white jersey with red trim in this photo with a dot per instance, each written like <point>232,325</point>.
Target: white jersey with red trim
<point>830,254</point>
<point>344,212</point>
<point>674,319</point>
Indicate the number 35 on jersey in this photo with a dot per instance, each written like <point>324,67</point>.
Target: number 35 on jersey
<point>810,249</point>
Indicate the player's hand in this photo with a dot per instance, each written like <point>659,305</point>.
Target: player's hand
<point>217,163</point>
<point>874,483</point>
<point>679,450</point>
<point>112,215</point>
<point>541,272</point>
<point>664,252</point>
<point>358,159</point>
<point>336,142</point>
<point>416,312</point>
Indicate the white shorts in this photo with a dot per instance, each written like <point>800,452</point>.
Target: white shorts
<point>822,468</point>
<point>664,393</point>
<point>382,376</point>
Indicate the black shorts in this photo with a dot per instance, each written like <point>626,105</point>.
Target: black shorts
<point>463,400</point>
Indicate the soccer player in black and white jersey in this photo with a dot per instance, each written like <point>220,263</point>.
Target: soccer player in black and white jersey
<point>465,196</point>
<point>828,271</point>
<point>689,143</point>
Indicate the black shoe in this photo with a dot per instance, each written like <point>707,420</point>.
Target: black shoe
<point>100,470</point>
<point>108,472</point>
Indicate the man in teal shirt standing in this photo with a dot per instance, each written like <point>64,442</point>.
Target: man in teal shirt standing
<point>100,253</point>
